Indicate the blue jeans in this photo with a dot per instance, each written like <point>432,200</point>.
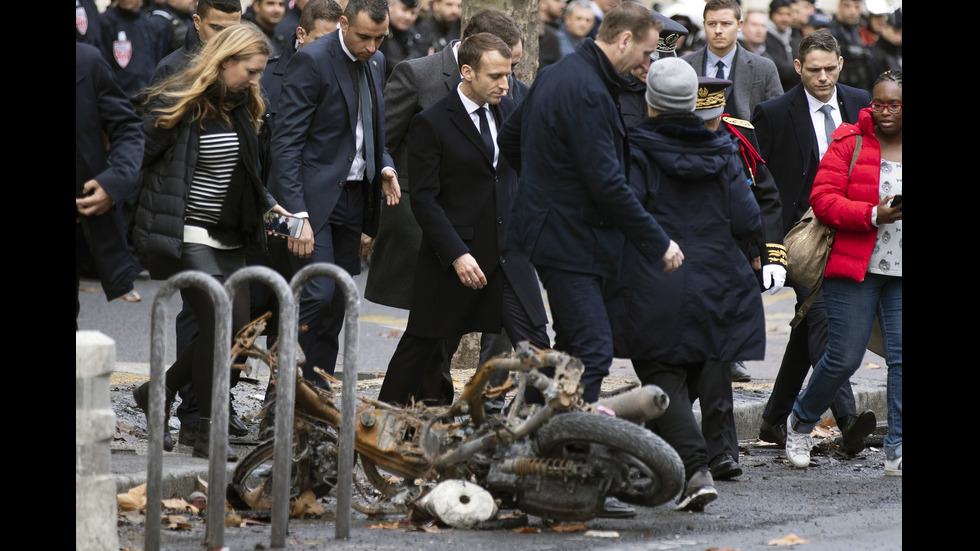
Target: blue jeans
<point>581,324</point>
<point>851,310</point>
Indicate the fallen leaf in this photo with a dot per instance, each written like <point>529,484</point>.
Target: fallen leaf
<point>178,504</point>
<point>255,500</point>
<point>307,504</point>
<point>787,540</point>
<point>85,289</point>
<point>526,530</point>
<point>870,365</point>
<point>133,500</point>
<point>568,527</point>
<point>232,520</point>
<point>385,526</point>
<point>175,522</point>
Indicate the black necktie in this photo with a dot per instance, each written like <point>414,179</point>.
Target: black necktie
<point>485,132</point>
<point>367,122</point>
<point>720,73</point>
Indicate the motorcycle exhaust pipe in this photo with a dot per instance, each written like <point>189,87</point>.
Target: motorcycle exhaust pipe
<point>638,405</point>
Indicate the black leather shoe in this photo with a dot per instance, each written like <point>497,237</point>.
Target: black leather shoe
<point>141,395</point>
<point>775,434</point>
<point>203,439</point>
<point>614,508</point>
<point>724,467</point>
<point>854,429</point>
<point>236,426</point>
<point>740,374</point>
<point>187,434</point>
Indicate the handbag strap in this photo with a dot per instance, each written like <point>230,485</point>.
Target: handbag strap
<point>805,306</point>
<point>854,158</point>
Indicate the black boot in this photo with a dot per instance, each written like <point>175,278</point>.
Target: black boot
<point>141,395</point>
<point>203,440</point>
<point>854,429</point>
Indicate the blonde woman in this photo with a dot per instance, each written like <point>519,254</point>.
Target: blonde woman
<point>203,198</point>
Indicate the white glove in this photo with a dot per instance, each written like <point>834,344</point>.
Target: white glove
<point>773,277</point>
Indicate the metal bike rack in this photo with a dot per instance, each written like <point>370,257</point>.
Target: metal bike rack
<point>282,454</point>
<point>345,453</point>
<point>288,295</point>
<point>155,421</point>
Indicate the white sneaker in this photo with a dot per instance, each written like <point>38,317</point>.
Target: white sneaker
<point>797,446</point>
<point>893,467</point>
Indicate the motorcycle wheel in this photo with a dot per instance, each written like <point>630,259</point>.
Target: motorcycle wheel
<point>251,482</point>
<point>651,467</point>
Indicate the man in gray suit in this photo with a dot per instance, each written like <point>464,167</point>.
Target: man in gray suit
<point>414,85</point>
<point>755,78</point>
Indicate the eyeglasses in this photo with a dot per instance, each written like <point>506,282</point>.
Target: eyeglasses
<point>893,108</point>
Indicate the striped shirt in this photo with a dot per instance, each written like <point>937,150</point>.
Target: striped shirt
<point>216,162</point>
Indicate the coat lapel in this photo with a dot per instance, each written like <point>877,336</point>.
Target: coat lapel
<point>461,119</point>
<point>450,68</point>
<point>802,122</point>
<point>341,66</point>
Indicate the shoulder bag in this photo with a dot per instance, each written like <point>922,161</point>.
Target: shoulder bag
<point>808,246</point>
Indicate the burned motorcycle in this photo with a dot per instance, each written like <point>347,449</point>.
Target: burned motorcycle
<point>558,459</point>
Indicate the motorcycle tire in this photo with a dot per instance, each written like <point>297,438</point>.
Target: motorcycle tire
<point>255,469</point>
<point>655,471</point>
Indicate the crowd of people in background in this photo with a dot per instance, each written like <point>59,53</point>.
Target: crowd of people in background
<point>646,179</point>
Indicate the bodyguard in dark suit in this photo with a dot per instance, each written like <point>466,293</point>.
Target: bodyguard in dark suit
<point>103,178</point>
<point>462,189</point>
<point>330,164</point>
<point>793,134</point>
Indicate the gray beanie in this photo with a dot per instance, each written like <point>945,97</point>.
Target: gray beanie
<point>672,86</point>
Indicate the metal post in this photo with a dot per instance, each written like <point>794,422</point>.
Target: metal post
<point>155,421</point>
<point>285,391</point>
<point>345,459</point>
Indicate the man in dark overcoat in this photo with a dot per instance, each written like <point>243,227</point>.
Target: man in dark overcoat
<point>462,189</point>
<point>103,176</point>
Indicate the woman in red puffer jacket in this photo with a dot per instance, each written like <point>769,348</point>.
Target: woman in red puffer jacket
<point>861,198</point>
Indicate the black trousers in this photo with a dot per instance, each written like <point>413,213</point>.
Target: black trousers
<point>677,426</point>
<point>712,384</point>
<point>807,342</point>
<point>412,363</point>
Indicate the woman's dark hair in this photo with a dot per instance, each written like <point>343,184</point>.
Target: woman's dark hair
<point>893,76</point>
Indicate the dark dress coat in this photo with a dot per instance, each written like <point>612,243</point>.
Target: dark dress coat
<point>788,144</point>
<point>414,85</point>
<point>103,111</point>
<point>690,179</point>
<point>462,205</point>
<point>574,207</point>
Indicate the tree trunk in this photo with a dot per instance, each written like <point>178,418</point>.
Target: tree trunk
<point>525,12</point>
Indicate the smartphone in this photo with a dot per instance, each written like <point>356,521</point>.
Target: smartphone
<point>897,202</point>
<point>285,226</point>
